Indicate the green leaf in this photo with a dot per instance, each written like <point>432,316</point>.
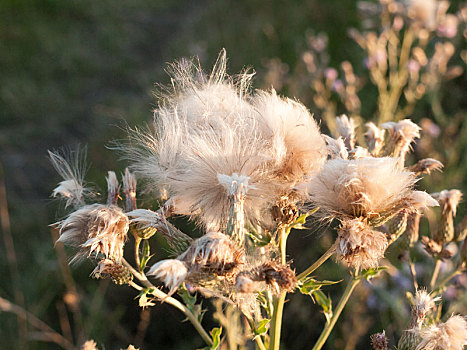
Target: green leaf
<point>216,338</point>
<point>325,302</point>
<point>146,255</point>
<point>262,328</point>
<point>299,223</point>
<point>190,302</point>
<point>370,273</point>
<point>310,285</point>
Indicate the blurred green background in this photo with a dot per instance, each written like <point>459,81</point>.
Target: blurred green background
<point>78,72</point>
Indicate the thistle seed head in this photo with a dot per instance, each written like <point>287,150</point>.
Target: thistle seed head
<point>113,188</point>
<point>359,246</point>
<point>107,268</point>
<point>171,271</point>
<point>214,252</point>
<point>346,129</point>
<point>95,229</point>
<point>451,335</point>
<point>375,138</point>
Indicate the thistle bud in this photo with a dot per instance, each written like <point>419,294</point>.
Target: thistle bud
<point>448,200</point>
<point>379,341</point>
<point>107,268</point>
<point>426,166</point>
<point>397,226</point>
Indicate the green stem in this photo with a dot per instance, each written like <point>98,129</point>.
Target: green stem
<point>172,301</point>
<point>328,328</point>
<point>317,263</point>
<point>276,321</point>
<point>435,273</point>
<point>257,338</point>
<point>137,258</point>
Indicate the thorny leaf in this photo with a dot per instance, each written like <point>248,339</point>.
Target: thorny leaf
<point>310,285</point>
<point>262,328</point>
<point>299,223</point>
<point>216,339</point>
<point>265,303</point>
<point>144,301</point>
<point>368,274</point>
<point>190,302</point>
<point>146,255</point>
<point>312,288</point>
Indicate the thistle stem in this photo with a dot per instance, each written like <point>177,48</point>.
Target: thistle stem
<point>328,328</point>
<point>172,301</point>
<point>137,258</point>
<point>435,273</point>
<point>276,321</point>
<point>317,263</point>
<point>257,338</point>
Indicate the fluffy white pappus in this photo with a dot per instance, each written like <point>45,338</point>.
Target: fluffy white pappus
<point>207,100</point>
<point>336,147</point>
<point>95,229</point>
<point>171,271</point>
<point>234,184</point>
<point>346,129</point>
<point>71,167</point>
<point>215,252</point>
<point>195,185</point>
<point>422,304</point>
<point>421,200</point>
<point>451,335</point>
<point>359,246</point>
<point>448,200</point>
<point>364,187</point>
<point>297,147</point>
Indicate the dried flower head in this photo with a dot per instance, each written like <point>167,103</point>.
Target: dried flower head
<point>366,187</point>
<point>113,188</point>
<point>379,341</point>
<point>336,147</point>
<point>244,284</point>
<point>448,200</point>
<point>426,166</point>
<point>208,127</point>
<point>422,304</point>
<point>277,276</point>
<point>401,135</point>
<point>346,129</point>
<point>95,229</point>
<point>71,167</point>
<point>358,245</point>
<point>214,252</point>
<point>129,189</point>
<point>147,222</point>
<point>89,345</point>
<point>171,271</point>
<point>451,335</point>
<point>435,249</point>
<point>297,147</point>
<point>375,138</point>
<point>107,268</point>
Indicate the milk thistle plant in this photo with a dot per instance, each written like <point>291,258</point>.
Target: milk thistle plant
<point>249,167</point>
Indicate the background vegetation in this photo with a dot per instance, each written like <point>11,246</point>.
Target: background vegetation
<point>79,71</point>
